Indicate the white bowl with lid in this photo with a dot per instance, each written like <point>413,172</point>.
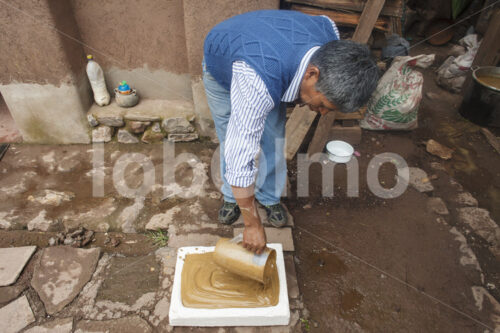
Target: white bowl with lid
<point>339,151</point>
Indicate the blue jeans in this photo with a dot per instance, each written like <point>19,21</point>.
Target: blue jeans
<point>271,176</point>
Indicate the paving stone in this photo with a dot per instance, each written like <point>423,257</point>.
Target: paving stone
<point>70,163</point>
<point>52,198</point>
<point>192,239</point>
<point>113,121</point>
<point>41,223</point>
<point>138,127</point>
<point>419,180</point>
<point>465,199</point>
<point>437,205</point>
<point>275,235</point>
<point>102,134</point>
<point>92,120</point>
<point>263,218</point>
<point>125,136</point>
<point>129,215</point>
<point>156,128</point>
<point>133,324</point>
<point>164,220</point>
<point>480,221</point>
<point>63,325</point>
<point>182,137</point>
<point>61,274</point>
<point>12,262</point>
<point>177,125</point>
<point>291,277</point>
<point>16,315</point>
<point>10,293</point>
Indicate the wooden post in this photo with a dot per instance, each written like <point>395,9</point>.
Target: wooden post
<point>367,21</point>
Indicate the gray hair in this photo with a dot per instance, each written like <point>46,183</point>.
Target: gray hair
<point>348,74</point>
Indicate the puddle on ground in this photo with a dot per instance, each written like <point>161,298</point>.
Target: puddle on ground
<point>350,302</point>
<point>327,263</point>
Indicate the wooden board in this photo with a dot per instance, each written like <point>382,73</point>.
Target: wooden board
<point>391,7</point>
<point>358,115</point>
<point>321,134</point>
<point>367,20</point>
<point>340,18</point>
<point>296,129</point>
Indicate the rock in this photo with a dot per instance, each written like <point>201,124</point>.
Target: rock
<point>111,120</point>
<point>5,222</point>
<point>177,125</point>
<point>141,117</point>
<point>437,166</point>
<point>151,137</point>
<point>129,216</point>
<point>61,273</point>
<point>12,262</point>
<point>52,198</point>
<point>437,149</point>
<point>16,315</point>
<point>92,120</point>
<point>465,199</point>
<point>131,324</point>
<point>480,221</point>
<point>69,164</point>
<point>456,50</point>
<point>156,127</point>
<point>124,136</point>
<point>307,206</point>
<point>182,137</point>
<point>432,95</point>
<point>138,127</point>
<point>63,325</point>
<point>419,180</point>
<point>102,134</point>
<point>215,195</point>
<point>42,224</point>
<point>437,205</point>
<point>162,221</point>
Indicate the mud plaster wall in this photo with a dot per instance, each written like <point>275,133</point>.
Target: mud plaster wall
<point>141,41</point>
<point>32,49</point>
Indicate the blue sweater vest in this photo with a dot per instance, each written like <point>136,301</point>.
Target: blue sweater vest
<point>273,42</point>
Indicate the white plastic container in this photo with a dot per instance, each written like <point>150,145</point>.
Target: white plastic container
<point>339,151</point>
<point>96,78</point>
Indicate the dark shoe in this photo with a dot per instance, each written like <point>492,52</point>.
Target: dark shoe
<point>229,213</point>
<point>276,215</point>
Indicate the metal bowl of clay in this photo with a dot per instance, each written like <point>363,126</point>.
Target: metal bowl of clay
<point>339,151</point>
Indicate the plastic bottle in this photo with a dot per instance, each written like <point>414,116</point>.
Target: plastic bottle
<point>96,78</point>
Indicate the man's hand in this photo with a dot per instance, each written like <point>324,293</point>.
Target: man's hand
<point>254,237</point>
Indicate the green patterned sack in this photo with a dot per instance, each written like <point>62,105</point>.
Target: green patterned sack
<point>394,104</point>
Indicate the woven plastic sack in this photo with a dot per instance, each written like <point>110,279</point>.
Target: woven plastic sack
<point>394,104</point>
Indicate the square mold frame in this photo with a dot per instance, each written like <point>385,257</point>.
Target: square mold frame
<point>179,315</point>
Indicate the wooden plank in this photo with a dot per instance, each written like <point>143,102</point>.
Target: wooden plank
<point>321,134</point>
<point>358,115</point>
<point>296,129</point>
<point>492,139</point>
<point>367,21</point>
<point>391,7</point>
<point>340,18</point>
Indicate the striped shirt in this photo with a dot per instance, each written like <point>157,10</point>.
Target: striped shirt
<point>250,105</point>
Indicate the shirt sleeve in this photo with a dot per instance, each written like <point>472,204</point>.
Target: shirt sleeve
<point>250,105</point>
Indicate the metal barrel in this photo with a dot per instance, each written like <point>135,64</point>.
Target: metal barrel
<point>236,259</point>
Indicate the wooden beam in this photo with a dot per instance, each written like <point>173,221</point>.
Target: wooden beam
<point>340,18</point>
<point>321,134</point>
<point>296,129</point>
<point>367,20</point>
<point>391,7</point>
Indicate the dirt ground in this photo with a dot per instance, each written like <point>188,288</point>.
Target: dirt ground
<point>367,264</point>
<point>364,264</point>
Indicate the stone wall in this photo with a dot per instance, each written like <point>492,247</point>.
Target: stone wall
<point>155,45</point>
